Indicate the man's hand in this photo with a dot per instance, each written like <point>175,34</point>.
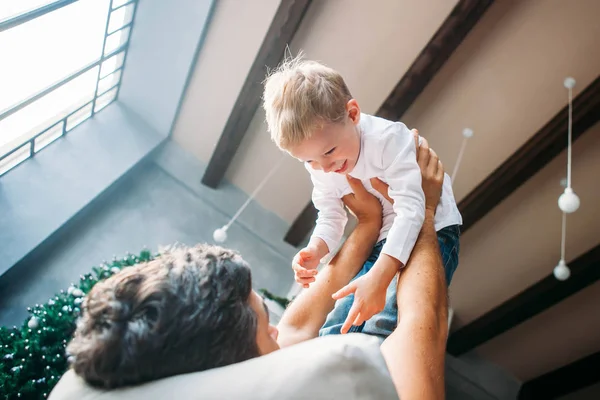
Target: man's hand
<point>432,173</point>
<point>361,203</point>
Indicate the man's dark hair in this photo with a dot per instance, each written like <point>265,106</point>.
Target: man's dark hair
<point>188,310</point>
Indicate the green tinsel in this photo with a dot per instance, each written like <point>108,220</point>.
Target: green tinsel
<point>32,357</point>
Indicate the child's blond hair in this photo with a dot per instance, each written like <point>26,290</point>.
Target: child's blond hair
<point>301,96</point>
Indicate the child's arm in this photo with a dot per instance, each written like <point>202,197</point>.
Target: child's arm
<point>328,232</point>
<point>401,164</point>
<point>332,217</point>
<point>403,175</point>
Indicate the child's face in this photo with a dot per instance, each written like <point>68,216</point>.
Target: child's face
<point>334,147</point>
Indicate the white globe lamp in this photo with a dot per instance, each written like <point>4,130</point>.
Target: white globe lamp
<point>568,202</point>
<point>561,271</point>
<point>220,235</point>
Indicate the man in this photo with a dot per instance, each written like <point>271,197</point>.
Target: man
<point>193,309</point>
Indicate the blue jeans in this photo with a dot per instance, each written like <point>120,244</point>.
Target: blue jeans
<point>384,323</point>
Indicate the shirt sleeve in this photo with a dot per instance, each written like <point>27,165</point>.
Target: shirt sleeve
<point>332,217</point>
<point>402,174</point>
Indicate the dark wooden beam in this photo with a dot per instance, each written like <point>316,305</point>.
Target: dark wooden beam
<point>585,270</point>
<point>534,155</point>
<point>463,17</point>
<point>283,28</point>
<point>454,29</point>
<point>302,225</point>
<point>562,381</point>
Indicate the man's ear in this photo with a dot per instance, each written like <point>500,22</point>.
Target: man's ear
<point>353,111</point>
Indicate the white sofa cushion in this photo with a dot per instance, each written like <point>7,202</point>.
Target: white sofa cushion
<point>333,367</point>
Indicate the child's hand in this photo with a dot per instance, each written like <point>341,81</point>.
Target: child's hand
<point>305,264</point>
<point>369,299</point>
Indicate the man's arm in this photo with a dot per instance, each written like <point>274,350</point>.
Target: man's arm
<point>415,351</point>
<point>307,313</point>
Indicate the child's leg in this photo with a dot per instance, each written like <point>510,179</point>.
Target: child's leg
<point>449,241</point>
<point>335,319</point>
<point>384,323</point>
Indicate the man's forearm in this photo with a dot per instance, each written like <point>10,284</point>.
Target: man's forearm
<point>415,351</point>
<point>306,314</point>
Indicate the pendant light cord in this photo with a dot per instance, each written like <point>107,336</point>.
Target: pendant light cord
<point>255,192</point>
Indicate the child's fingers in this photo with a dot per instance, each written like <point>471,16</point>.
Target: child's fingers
<point>360,318</point>
<point>303,272</point>
<point>343,292</point>
<point>304,281</point>
<point>304,255</point>
<point>297,267</point>
<point>352,315</point>
<point>307,273</point>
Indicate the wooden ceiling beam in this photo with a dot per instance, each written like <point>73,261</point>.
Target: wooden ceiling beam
<point>285,23</point>
<point>463,17</point>
<point>565,380</point>
<point>585,270</point>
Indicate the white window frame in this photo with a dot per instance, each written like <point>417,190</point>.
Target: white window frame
<point>25,147</point>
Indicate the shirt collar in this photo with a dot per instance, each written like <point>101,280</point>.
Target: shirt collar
<point>360,167</point>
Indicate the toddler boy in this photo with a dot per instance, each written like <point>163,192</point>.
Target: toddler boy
<point>312,115</point>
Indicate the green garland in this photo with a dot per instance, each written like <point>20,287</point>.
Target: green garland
<point>32,357</point>
<point>282,301</point>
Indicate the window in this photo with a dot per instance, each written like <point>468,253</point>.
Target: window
<point>62,62</point>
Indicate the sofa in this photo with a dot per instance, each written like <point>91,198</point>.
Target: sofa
<point>333,367</point>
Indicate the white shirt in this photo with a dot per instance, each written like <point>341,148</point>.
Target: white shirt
<point>387,152</point>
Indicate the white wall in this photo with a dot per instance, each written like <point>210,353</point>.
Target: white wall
<point>165,38</point>
<point>234,36</point>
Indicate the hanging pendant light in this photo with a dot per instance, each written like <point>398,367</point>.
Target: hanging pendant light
<point>568,202</point>
<point>561,271</point>
<point>467,134</point>
<point>220,234</point>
